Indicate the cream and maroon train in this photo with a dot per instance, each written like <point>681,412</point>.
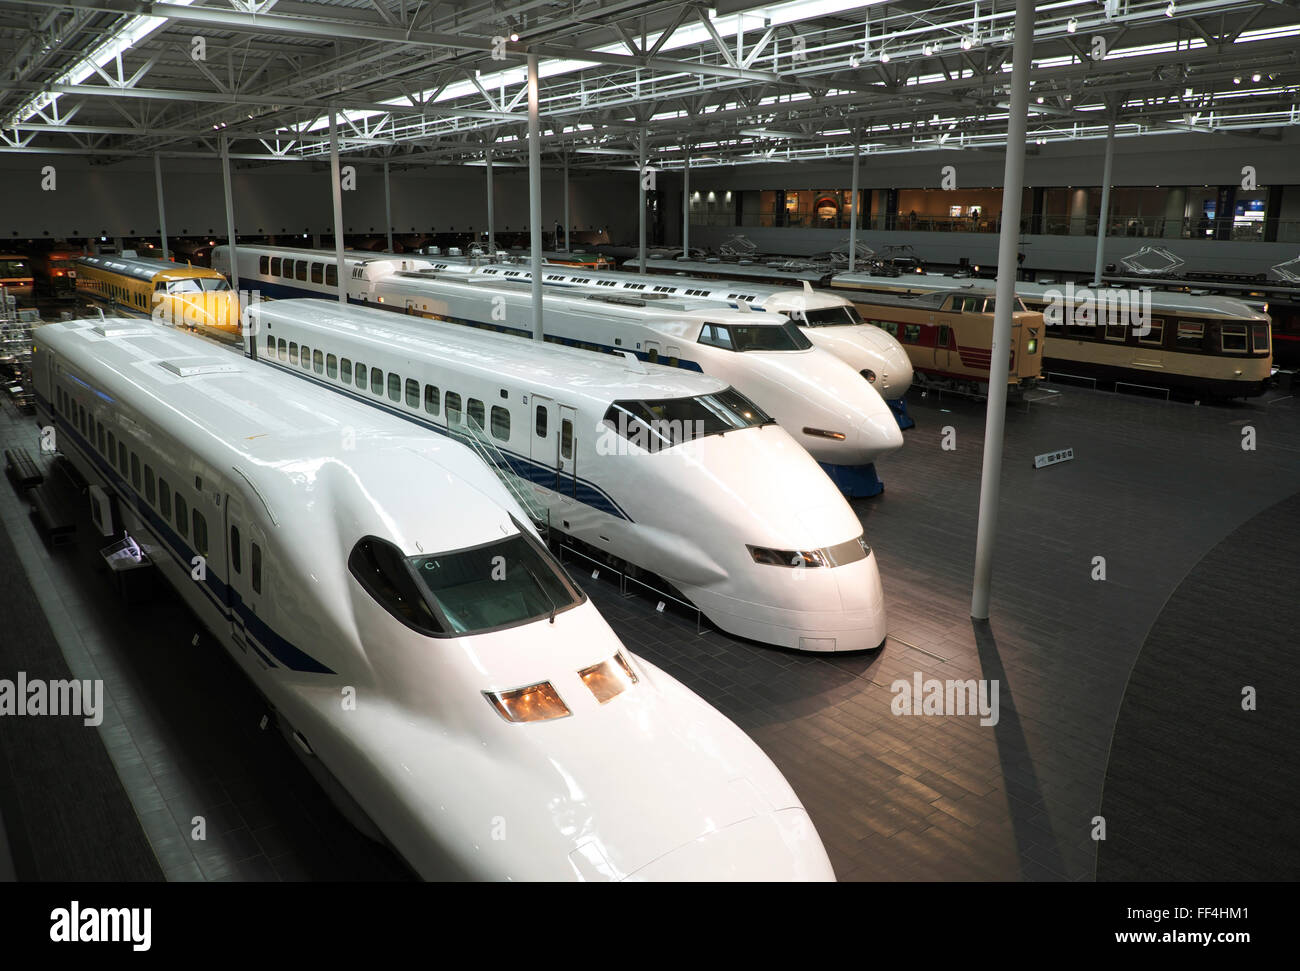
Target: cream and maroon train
<point>1199,345</point>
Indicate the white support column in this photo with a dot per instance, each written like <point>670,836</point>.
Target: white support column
<point>1104,218</point>
<point>995,415</point>
<point>162,209</point>
<point>640,183</point>
<point>853,204</point>
<point>338,208</point>
<point>566,202</point>
<point>535,194</point>
<point>686,205</point>
<point>230,212</point>
<point>491,205</point>
<point>388,208</point>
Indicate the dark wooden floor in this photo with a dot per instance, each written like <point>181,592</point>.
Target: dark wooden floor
<point>1154,487</point>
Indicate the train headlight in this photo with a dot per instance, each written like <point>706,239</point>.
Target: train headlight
<point>608,679</point>
<point>869,374</point>
<point>787,558</point>
<point>1032,346</point>
<point>533,703</point>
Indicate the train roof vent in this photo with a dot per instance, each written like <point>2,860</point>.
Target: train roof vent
<point>122,330</point>
<point>192,367</point>
<point>637,301</point>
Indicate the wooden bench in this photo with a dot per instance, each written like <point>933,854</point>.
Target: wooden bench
<point>22,470</point>
<point>54,526</point>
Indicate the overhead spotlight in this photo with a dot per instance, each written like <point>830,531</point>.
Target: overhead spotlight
<point>927,49</point>
<point>512,27</point>
<point>1072,25</point>
<point>1040,99</point>
<point>1255,77</point>
<point>884,57</point>
<point>1236,80</point>
<point>965,43</point>
<point>1169,10</point>
<point>1007,34</point>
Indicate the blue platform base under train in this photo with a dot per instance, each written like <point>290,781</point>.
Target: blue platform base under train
<point>855,481</point>
<point>899,407</point>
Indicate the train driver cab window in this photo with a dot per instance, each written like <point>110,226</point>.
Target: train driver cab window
<point>317,273</point>
<point>345,370</point>
<point>1156,336</point>
<point>182,516</point>
<point>300,270</point>
<point>501,423</point>
<point>235,563</point>
<point>331,366</point>
<point>283,352</point>
<point>476,413</point>
<point>255,566</point>
<point>715,335</point>
<point>1233,338</point>
<point>376,380</point>
<point>1259,338</point>
<point>383,572</point>
<point>293,352</point>
<point>200,533</point>
<point>566,438</point>
<point>911,333</point>
<point>165,499</point>
<point>264,265</point>
<point>432,400</point>
<point>275,266</point>
<point>318,361</point>
<point>453,408</point>
<point>412,393</point>
<point>331,275</point>
<point>394,386</point>
<point>1191,335</point>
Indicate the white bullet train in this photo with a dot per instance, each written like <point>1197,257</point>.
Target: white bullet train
<point>673,472</point>
<point>828,320</point>
<point>284,271</point>
<point>427,657</point>
<point>821,401</point>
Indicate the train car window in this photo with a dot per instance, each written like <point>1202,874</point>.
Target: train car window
<point>432,399</point>
<point>1116,332</point>
<point>566,438</point>
<point>1259,338</point>
<point>476,413</point>
<point>264,265</point>
<point>945,335</point>
<point>235,563</point>
<point>412,393</point>
<point>394,386</point>
<point>318,361</point>
<point>345,370</point>
<point>112,448</point>
<point>975,305</point>
<point>541,421</point>
<point>306,357</point>
<point>135,471</point>
<point>361,376</point>
<point>165,499</point>
<point>1156,336</point>
<point>317,273</point>
<point>293,352</point>
<point>150,488</point>
<point>255,566</point>
<point>270,345</point>
<point>453,408</point>
<point>275,266</point>
<point>501,423</point>
<point>81,418</point>
<point>376,380</point>
<point>182,516</point>
<point>715,335</point>
<point>1191,335</point>
<point>200,533</point>
<point>911,333</point>
<point>300,270</point>
<point>331,275</point>
<point>382,572</point>
<point>1233,338</point>
<point>121,457</point>
<point>99,438</point>
<point>283,350</point>
<point>331,366</point>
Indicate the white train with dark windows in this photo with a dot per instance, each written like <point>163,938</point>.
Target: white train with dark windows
<point>673,472</point>
<point>822,402</point>
<point>346,549</point>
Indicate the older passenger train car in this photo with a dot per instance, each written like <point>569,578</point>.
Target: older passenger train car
<point>340,548</point>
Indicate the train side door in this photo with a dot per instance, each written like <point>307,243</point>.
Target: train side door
<point>543,446</point>
<point>239,599</point>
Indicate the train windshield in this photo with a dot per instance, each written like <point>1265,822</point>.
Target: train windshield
<point>661,424</point>
<point>741,337</point>
<point>500,584</point>
<point>196,285</point>
<point>832,316</point>
<point>13,267</point>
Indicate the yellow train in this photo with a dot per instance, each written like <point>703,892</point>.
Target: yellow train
<point>193,297</point>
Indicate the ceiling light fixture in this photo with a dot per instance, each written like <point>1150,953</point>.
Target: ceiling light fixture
<point>1072,25</point>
